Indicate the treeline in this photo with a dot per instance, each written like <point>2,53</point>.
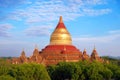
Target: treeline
<point>113,60</point>
<point>82,70</point>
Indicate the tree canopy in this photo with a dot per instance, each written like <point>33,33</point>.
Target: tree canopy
<point>23,72</point>
<point>84,70</point>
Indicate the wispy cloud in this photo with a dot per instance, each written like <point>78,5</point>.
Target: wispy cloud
<point>95,2</point>
<point>13,3</point>
<point>93,12</point>
<point>4,30</point>
<point>38,31</point>
<point>112,36</point>
<point>50,10</point>
<point>114,32</point>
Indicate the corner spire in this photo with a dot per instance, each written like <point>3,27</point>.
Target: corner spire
<point>23,53</point>
<point>60,20</point>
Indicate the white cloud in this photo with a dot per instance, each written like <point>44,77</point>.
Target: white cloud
<point>45,11</point>
<point>4,30</point>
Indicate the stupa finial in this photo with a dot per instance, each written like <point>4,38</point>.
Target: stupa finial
<point>60,20</point>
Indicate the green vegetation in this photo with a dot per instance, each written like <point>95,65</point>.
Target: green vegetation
<point>23,72</point>
<point>85,70</point>
<point>82,70</point>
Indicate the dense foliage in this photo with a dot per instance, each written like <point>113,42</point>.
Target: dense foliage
<point>23,72</point>
<point>82,70</point>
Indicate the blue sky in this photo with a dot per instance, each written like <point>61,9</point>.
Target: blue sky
<point>26,23</point>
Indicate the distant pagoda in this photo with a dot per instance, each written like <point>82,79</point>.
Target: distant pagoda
<point>60,49</point>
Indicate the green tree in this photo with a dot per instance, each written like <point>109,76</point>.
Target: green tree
<point>52,71</point>
<point>29,72</point>
<point>64,71</point>
<point>115,69</point>
<point>94,71</point>
<point>107,73</point>
<point>6,77</point>
<point>40,72</point>
<point>117,76</point>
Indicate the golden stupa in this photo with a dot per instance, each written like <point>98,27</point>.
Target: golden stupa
<point>60,35</point>
<point>60,47</point>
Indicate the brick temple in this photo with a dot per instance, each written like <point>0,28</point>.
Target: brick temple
<point>60,49</point>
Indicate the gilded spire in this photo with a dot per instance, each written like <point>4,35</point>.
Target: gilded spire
<point>60,20</point>
<point>60,35</point>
